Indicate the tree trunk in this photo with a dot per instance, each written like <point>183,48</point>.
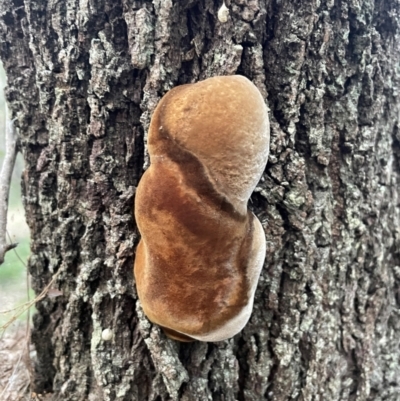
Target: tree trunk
<point>83,80</point>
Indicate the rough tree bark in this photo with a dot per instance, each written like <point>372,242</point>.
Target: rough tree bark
<point>83,79</point>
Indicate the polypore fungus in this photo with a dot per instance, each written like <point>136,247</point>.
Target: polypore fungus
<point>201,252</point>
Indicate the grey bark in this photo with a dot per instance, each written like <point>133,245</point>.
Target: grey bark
<point>83,80</point>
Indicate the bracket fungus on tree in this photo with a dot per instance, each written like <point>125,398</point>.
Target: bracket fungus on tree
<point>201,252</point>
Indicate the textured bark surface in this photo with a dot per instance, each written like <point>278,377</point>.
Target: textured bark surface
<point>83,79</point>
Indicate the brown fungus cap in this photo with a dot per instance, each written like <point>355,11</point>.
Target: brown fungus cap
<point>201,252</point>
<point>224,122</point>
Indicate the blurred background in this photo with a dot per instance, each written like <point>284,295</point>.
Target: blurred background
<point>13,287</point>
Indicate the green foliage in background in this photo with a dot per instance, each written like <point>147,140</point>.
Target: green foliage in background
<point>13,269</point>
<point>13,278</point>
